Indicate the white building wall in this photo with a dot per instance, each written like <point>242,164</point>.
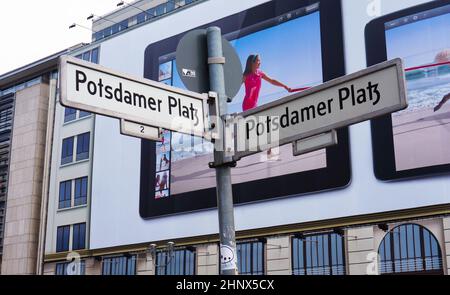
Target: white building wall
<point>73,215</point>
<point>361,254</point>
<point>278,255</point>
<point>446,226</point>
<point>207,259</point>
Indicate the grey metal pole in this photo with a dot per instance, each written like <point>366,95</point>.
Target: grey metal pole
<point>223,172</point>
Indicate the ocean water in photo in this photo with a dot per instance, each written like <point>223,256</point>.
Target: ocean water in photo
<point>426,92</point>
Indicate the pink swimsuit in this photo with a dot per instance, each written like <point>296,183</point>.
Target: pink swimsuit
<point>252,88</point>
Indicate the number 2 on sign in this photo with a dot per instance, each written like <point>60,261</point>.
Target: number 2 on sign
<point>142,129</point>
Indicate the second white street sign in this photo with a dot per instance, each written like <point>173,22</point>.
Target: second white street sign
<point>361,96</point>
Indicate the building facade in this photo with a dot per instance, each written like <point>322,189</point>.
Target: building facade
<point>410,236</point>
<point>110,204</point>
<point>26,98</point>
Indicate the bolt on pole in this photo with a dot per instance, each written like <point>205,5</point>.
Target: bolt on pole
<point>223,171</point>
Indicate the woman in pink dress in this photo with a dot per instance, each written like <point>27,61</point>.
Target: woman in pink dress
<point>252,79</point>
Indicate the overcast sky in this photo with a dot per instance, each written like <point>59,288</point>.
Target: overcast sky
<point>33,29</point>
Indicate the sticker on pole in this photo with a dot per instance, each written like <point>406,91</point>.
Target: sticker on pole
<point>227,257</point>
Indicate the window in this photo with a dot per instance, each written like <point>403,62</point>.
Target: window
<point>83,146</point>
<point>121,265</point>
<point>170,6</point>
<point>321,254</point>
<point>79,236</point>
<point>84,114</point>
<point>81,191</point>
<point>181,262</point>
<point>115,28</point>
<point>6,115</point>
<point>123,25</point>
<point>160,9</point>
<point>94,56</point>
<point>62,238</point>
<point>67,151</point>
<point>410,248</point>
<point>151,13</point>
<point>65,192</point>
<point>141,17</point>
<point>90,55</point>
<point>70,114</point>
<point>70,268</point>
<point>250,258</point>
<point>73,114</point>
<point>107,32</point>
<point>98,35</point>
<point>87,56</point>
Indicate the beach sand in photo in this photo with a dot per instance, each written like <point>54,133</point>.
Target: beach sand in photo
<point>194,174</point>
<point>422,138</point>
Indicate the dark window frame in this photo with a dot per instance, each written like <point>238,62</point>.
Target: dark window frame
<point>119,265</point>
<point>160,9</point>
<point>81,193</point>
<point>83,114</point>
<point>87,56</point>
<point>70,115</point>
<point>67,150</point>
<point>182,262</point>
<point>141,17</point>
<point>95,55</point>
<point>83,146</point>
<point>123,25</point>
<point>306,260</point>
<point>79,236</point>
<point>63,238</point>
<point>253,264</point>
<point>65,194</point>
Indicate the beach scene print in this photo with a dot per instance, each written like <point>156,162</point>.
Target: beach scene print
<point>295,66</point>
<point>422,131</point>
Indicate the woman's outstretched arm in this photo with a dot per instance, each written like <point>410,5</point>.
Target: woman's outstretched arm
<point>275,82</point>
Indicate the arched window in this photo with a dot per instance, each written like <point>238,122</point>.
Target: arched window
<point>410,248</point>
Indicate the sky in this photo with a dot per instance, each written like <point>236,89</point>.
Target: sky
<point>294,64</point>
<point>33,29</point>
<point>418,43</point>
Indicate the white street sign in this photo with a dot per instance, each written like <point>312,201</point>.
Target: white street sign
<point>139,130</point>
<point>93,88</point>
<point>351,99</point>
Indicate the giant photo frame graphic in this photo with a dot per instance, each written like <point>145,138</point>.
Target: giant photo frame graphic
<point>382,128</point>
<point>335,175</point>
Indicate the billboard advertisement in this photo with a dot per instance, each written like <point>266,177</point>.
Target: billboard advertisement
<point>145,191</point>
<point>414,142</point>
<point>280,45</point>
